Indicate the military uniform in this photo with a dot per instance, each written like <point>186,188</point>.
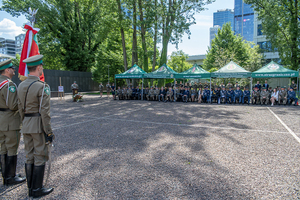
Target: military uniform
<point>282,96</point>
<point>255,96</point>
<point>169,95</point>
<point>124,92</point>
<point>119,93</point>
<point>108,89</point>
<point>34,108</point>
<point>229,85</point>
<point>101,89</point>
<point>230,94</point>
<point>156,93</point>
<point>9,127</point>
<point>238,94</point>
<point>223,95</point>
<point>246,96</point>
<point>150,95</point>
<point>128,93</point>
<point>264,97</point>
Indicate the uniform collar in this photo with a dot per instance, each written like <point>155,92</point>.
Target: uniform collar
<point>6,77</point>
<point>31,77</point>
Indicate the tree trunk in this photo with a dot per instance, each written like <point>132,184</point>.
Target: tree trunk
<point>155,39</point>
<point>134,38</point>
<point>143,33</point>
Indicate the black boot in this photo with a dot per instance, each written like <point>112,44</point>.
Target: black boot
<point>29,171</point>
<point>37,182</point>
<point>11,178</point>
<point>3,167</point>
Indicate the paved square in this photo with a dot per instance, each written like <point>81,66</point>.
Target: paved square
<point>107,149</point>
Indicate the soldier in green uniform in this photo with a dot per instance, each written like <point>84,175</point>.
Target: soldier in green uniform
<point>156,93</point>
<point>34,108</point>
<point>101,89</point>
<point>10,124</point>
<point>151,94</point>
<point>264,96</point>
<point>282,96</point>
<point>128,93</point>
<point>229,85</point>
<point>255,96</point>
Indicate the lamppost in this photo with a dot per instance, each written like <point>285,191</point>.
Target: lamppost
<point>298,82</point>
<point>108,73</point>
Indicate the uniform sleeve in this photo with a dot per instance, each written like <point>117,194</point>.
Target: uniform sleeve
<point>12,96</point>
<point>44,99</point>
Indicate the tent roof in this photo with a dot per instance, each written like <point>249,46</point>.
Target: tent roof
<point>231,70</point>
<point>273,70</point>
<point>194,72</point>
<point>163,72</point>
<point>134,72</point>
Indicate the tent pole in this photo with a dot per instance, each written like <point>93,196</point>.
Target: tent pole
<point>298,83</point>
<point>210,89</point>
<point>142,97</point>
<point>175,90</point>
<point>251,85</point>
<point>115,87</point>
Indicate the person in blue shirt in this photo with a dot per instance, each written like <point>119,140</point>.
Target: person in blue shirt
<point>246,96</point>
<point>223,95</point>
<point>238,94</point>
<point>230,95</point>
<point>162,94</point>
<point>206,94</point>
<point>185,95</point>
<point>258,85</point>
<point>266,85</point>
<point>291,96</point>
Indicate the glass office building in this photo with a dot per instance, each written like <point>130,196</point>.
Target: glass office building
<point>243,20</point>
<point>221,17</point>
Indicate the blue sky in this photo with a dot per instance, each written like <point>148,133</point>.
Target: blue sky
<point>197,44</point>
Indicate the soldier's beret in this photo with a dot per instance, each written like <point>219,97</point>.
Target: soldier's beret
<point>34,60</point>
<point>5,64</point>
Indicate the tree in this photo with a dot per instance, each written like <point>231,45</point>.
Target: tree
<point>280,23</point>
<point>76,27</point>
<point>175,19</point>
<point>178,62</point>
<point>228,47</point>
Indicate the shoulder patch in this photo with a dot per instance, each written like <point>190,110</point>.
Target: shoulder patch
<point>3,83</point>
<point>47,90</point>
<point>12,89</point>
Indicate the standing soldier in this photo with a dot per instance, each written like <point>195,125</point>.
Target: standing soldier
<point>107,90</point>
<point>294,86</point>
<point>10,125</point>
<point>34,108</point>
<point>101,89</point>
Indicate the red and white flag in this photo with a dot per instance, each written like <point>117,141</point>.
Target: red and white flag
<point>30,48</point>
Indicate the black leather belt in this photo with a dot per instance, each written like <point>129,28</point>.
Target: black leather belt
<point>4,109</point>
<point>32,115</point>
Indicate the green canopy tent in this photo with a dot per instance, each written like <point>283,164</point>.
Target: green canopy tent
<point>232,70</point>
<point>194,72</point>
<point>164,72</point>
<point>135,72</point>
<point>273,70</point>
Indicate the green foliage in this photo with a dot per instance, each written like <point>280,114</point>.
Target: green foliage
<point>178,62</point>
<point>228,47</point>
<point>281,25</point>
<point>16,61</point>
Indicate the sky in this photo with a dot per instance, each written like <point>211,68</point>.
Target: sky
<point>196,45</point>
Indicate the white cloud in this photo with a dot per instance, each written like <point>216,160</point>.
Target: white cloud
<point>9,29</point>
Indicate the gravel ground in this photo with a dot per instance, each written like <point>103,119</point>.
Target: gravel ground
<point>107,149</point>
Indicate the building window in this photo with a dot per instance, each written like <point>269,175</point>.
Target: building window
<point>266,47</point>
<point>259,30</point>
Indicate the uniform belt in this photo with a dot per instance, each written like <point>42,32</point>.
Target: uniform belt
<point>4,109</point>
<point>32,115</point>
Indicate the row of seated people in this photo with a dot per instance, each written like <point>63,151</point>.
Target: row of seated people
<point>217,95</point>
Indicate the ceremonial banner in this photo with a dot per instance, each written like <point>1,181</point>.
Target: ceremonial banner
<point>30,48</point>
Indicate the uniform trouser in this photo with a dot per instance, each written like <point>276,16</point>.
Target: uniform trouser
<point>290,100</point>
<point>264,99</point>
<point>161,97</point>
<point>231,99</point>
<point>169,98</point>
<point>237,97</point>
<point>255,99</point>
<point>151,97</point>
<point>244,98</point>
<point>184,98</point>
<point>36,149</point>
<point>282,99</point>
<point>9,141</point>
<point>222,100</point>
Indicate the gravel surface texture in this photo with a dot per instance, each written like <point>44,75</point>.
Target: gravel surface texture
<point>106,149</point>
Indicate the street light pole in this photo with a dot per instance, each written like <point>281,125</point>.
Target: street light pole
<point>298,82</point>
<point>108,74</point>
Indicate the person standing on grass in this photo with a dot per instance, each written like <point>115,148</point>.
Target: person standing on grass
<point>101,89</point>
<point>113,91</point>
<point>107,89</point>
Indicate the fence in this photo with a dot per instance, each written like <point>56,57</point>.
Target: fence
<point>83,79</point>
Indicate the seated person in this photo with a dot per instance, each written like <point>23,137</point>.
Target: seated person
<point>238,94</point>
<point>169,95</point>
<point>133,93</point>
<point>246,96</point>
<point>151,94</point>
<point>214,95</point>
<point>264,96</point>
<point>291,96</point>
<point>162,94</point>
<point>124,92</point>
<point>206,95</point>
<point>274,96</point>
<point>282,96</point>
<point>138,92</point>
<point>230,96</point>
<point>200,93</point>
<point>185,95</point>
<point>129,93</point>
<point>156,93</point>
<point>255,96</point>
<point>119,93</point>
<point>193,93</point>
<point>223,95</point>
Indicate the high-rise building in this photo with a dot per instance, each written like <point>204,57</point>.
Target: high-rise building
<point>220,18</point>
<point>19,43</point>
<point>224,16</point>
<point>243,20</point>
<point>7,49</point>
